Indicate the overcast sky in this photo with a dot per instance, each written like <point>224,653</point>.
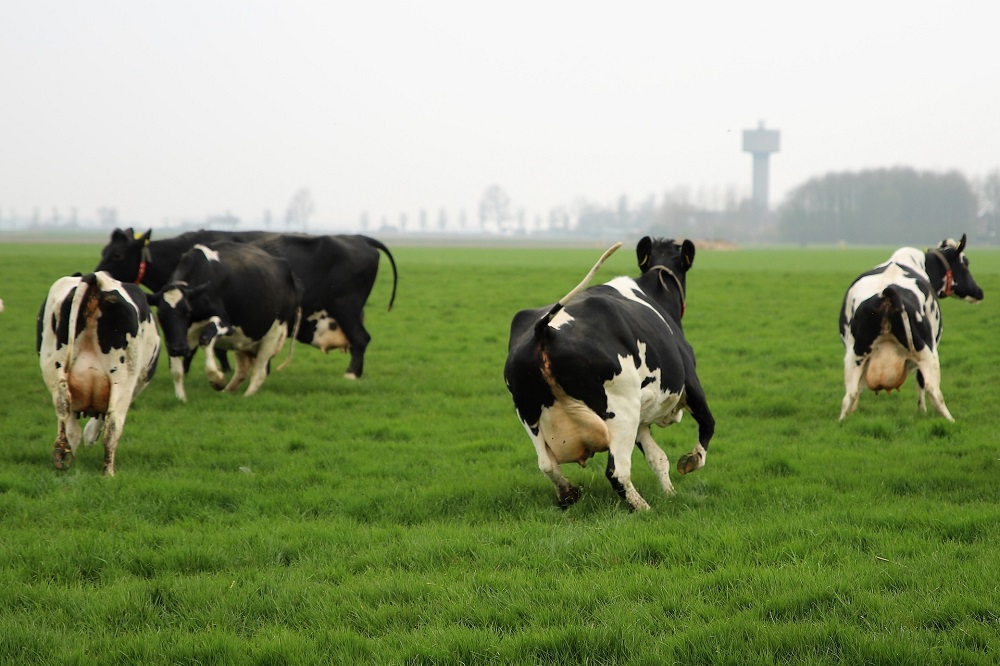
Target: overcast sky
<point>180,109</point>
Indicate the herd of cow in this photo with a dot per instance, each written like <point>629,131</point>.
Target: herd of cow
<point>247,292</point>
<point>590,373</point>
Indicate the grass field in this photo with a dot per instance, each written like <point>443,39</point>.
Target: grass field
<point>401,519</point>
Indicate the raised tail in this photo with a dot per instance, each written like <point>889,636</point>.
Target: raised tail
<point>378,245</point>
<point>544,321</point>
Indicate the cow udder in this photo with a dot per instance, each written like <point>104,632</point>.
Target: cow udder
<point>886,368</point>
<point>89,386</point>
<point>572,431</point>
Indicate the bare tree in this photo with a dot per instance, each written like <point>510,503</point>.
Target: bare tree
<point>494,208</point>
<point>300,210</point>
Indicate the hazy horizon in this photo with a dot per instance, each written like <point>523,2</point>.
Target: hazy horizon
<point>175,111</point>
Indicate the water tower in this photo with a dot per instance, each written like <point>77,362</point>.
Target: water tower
<point>760,143</point>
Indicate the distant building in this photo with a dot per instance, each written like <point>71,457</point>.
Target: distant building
<point>760,143</point>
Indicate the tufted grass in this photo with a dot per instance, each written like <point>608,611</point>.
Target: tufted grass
<point>401,519</point>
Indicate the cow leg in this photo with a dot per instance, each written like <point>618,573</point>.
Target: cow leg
<point>566,493</point>
<point>698,406</point>
<point>215,376</point>
<point>244,366</point>
<point>357,336</point>
<point>269,347</point>
<point>177,372</point>
<point>854,375</point>
<point>929,370</point>
<point>656,458</point>
<point>68,432</point>
<point>623,431</point>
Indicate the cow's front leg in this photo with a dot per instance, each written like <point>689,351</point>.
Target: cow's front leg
<point>698,406</point>
<point>566,493</point>
<point>92,431</point>
<point>207,339</point>
<point>929,374</point>
<point>269,347</point>
<point>656,458</point>
<point>112,432</point>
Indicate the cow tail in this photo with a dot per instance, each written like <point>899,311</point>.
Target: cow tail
<point>381,246</point>
<point>543,323</point>
<point>295,334</point>
<point>892,304</point>
<point>86,284</point>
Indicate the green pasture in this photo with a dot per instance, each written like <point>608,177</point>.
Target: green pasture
<point>401,519</point>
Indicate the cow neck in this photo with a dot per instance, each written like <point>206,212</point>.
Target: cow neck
<point>660,270</point>
<point>949,278</point>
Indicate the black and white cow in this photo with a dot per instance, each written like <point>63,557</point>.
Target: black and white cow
<point>594,371</point>
<point>234,295</point>
<point>337,274</point>
<point>890,322</point>
<point>98,347</point>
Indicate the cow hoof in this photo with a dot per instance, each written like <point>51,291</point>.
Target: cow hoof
<point>569,497</point>
<point>62,458</point>
<point>350,375</point>
<point>689,462</point>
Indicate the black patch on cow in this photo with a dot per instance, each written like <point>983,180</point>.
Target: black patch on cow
<point>920,379</point>
<point>609,472</point>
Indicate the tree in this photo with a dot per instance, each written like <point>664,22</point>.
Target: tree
<point>494,208</point>
<point>300,210</point>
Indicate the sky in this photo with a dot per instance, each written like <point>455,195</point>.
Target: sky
<point>177,110</point>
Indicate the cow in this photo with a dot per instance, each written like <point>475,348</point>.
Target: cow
<point>234,295</point>
<point>337,274</point>
<point>890,322</point>
<point>594,371</point>
<point>98,347</point>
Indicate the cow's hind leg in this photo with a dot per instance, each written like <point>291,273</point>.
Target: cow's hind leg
<point>656,458</point>
<point>854,374</point>
<point>350,317</point>
<point>566,493</point>
<point>619,471</point>
<point>929,375</point>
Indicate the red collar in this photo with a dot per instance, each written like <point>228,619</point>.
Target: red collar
<point>142,272</point>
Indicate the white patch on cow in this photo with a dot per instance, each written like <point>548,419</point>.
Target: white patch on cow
<point>328,334</point>
<point>209,253</point>
<point>628,288</point>
<point>172,297</point>
<point>560,319</point>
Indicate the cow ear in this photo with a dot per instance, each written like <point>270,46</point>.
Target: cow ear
<point>961,243</point>
<point>687,252</point>
<point>642,251</point>
<point>144,238</point>
<point>118,234</point>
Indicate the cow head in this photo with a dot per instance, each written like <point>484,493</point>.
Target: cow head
<point>675,255</point>
<point>126,255</point>
<point>949,268</point>
<point>174,308</point>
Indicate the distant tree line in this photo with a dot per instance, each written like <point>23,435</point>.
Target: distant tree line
<point>884,206</point>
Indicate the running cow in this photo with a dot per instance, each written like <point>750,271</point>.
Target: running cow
<point>890,322</point>
<point>234,295</point>
<point>337,274</point>
<point>594,371</point>
<point>98,348</point>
